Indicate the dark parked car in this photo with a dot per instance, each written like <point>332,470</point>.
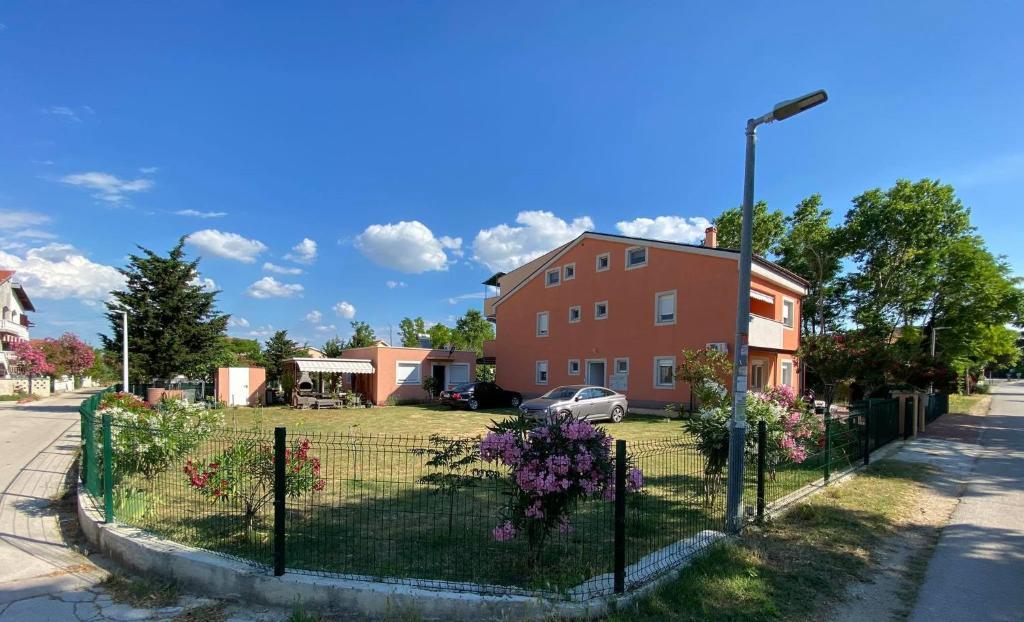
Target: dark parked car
<point>477,395</point>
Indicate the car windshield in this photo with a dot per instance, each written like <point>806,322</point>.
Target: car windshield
<point>463,388</point>
<point>561,393</point>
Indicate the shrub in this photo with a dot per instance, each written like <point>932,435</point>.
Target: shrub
<point>554,465</point>
<point>454,462</point>
<point>244,474</point>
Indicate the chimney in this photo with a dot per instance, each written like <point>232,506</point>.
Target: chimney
<point>711,237</point>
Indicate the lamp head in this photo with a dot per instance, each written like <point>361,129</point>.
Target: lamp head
<point>787,109</point>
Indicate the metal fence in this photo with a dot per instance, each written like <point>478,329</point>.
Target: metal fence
<point>935,404</point>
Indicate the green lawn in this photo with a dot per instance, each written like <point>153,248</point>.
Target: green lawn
<point>969,404</point>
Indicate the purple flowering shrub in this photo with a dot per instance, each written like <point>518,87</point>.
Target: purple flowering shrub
<point>553,464</point>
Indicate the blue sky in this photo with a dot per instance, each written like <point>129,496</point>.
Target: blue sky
<point>421,146</point>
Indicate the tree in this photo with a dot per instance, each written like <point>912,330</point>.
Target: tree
<point>362,335</point>
<point>68,354</point>
<point>768,228</point>
<point>410,331</point>
<point>29,360</point>
<point>333,348</point>
<point>812,248</point>
<point>472,330</point>
<point>175,327</point>
<point>441,336</point>
<point>279,348</point>
<point>103,366</point>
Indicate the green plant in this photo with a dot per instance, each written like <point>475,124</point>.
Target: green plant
<point>454,460</point>
<point>431,385</point>
<point>705,371</point>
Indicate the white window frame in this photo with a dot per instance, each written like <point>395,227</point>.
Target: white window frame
<point>597,262</point>
<point>536,372</point>
<point>783,367</point>
<point>615,365</point>
<point>565,271</point>
<point>657,367</point>
<point>792,315</point>
<point>547,318</point>
<point>647,253</point>
<point>763,364</point>
<point>657,308</point>
<point>579,314</point>
<point>606,310</point>
<point>569,367</point>
<point>558,274</point>
<point>417,365</point>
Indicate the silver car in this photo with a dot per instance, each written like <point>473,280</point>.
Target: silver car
<point>583,401</point>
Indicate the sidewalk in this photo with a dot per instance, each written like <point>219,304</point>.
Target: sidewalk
<point>977,570</point>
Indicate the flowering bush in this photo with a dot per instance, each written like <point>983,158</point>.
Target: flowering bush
<point>147,440</point>
<point>244,474</point>
<point>29,360</point>
<point>554,465</point>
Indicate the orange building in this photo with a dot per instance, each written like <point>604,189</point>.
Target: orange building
<point>399,372</point>
<point>616,311</point>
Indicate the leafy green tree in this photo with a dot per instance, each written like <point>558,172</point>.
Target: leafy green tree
<point>472,330</point>
<point>362,335</point>
<point>768,228</point>
<point>278,349</point>
<point>441,336</point>
<point>813,248</point>
<point>175,327</point>
<point>333,348</point>
<point>410,331</point>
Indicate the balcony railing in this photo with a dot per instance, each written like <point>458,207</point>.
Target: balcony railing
<point>765,333</point>
<point>489,306</point>
<point>489,348</point>
<point>14,328</point>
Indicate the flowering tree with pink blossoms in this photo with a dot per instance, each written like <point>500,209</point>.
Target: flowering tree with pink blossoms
<point>30,360</point>
<point>553,466</point>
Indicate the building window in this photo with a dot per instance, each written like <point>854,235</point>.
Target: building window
<point>542,372</point>
<point>787,313</point>
<point>601,310</point>
<point>665,372</point>
<point>787,373</point>
<point>636,257</point>
<point>622,365</point>
<point>575,314</point>
<point>757,375</point>
<point>574,367</point>
<point>553,277</point>
<point>542,324</point>
<point>407,372</point>
<point>569,272</point>
<point>604,262</point>
<point>665,308</point>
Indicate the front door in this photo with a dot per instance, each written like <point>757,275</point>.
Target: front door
<point>238,386</point>
<point>595,373</point>
<point>439,377</point>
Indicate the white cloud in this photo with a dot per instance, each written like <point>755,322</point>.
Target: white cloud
<point>504,248</point>
<point>303,252</point>
<point>452,244</point>
<point>198,214</point>
<point>66,112</point>
<point>15,219</point>
<point>314,317</point>
<point>260,331</point>
<point>108,187</point>
<point>148,170</point>
<point>269,287</point>
<point>227,245</point>
<point>276,269</point>
<point>326,328</point>
<point>405,246</point>
<point>474,296</point>
<point>345,310</point>
<point>35,234</point>
<point>667,228</point>
<point>237,321</point>
<point>207,284</point>
<point>394,284</point>
<point>59,271</point>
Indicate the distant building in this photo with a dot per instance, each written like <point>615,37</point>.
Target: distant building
<point>313,353</point>
<point>14,322</point>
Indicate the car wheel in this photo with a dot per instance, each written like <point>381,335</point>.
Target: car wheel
<point>617,414</point>
<point>473,405</point>
<point>515,402</point>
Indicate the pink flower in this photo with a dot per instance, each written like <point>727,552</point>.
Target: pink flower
<point>504,532</point>
<point>635,479</point>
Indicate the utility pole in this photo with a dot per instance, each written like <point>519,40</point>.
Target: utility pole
<point>935,329</point>
<point>124,350</point>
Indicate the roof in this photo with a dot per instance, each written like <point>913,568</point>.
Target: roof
<point>22,297</point>
<point>5,274</point>
<point>768,268</point>
<point>493,281</point>
<point>334,366</point>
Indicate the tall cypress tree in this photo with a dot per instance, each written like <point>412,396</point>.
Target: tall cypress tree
<point>174,326</point>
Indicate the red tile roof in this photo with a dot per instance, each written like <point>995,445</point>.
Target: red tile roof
<point>5,274</point>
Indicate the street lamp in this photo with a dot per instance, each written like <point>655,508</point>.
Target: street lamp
<point>935,329</point>
<point>738,422</point>
<point>124,346</point>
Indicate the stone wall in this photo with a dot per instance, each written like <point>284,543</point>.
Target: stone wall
<point>12,386</point>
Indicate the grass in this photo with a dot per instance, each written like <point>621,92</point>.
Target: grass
<point>969,404</point>
<point>797,566</point>
<point>141,593</point>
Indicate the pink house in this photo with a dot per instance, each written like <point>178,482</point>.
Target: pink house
<point>399,372</point>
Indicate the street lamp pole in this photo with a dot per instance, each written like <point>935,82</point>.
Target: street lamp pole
<point>931,385</point>
<point>738,421</point>
<point>124,350</point>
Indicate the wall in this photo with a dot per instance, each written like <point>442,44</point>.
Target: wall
<point>10,386</point>
<point>705,285</point>
<point>385,360</point>
<point>257,385</point>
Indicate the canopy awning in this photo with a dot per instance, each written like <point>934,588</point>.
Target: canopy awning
<point>756,295</point>
<point>335,366</point>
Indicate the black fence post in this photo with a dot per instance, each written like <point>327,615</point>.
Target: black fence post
<point>828,446</point>
<point>867,433</point>
<point>108,471</point>
<point>762,459</point>
<point>280,490</point>
<point>620,516</point>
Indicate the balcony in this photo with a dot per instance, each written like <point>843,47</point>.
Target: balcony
<point>489,306</point>
<point>489,348</point>
<point>14,328</point>
<point>765,333</point>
